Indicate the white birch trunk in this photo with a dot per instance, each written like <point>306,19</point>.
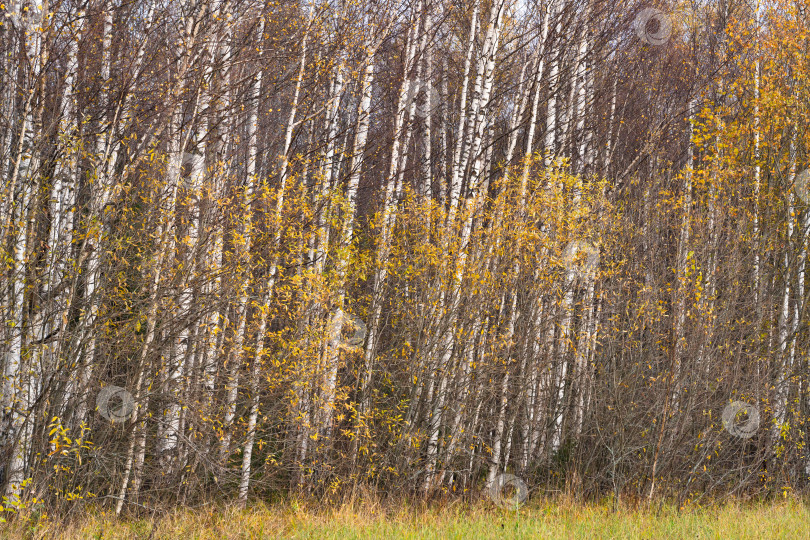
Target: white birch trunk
<point>273,272</point>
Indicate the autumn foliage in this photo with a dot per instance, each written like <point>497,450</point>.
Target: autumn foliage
<point>258,248</point>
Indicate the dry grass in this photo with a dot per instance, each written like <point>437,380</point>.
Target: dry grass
<point>783,519</point>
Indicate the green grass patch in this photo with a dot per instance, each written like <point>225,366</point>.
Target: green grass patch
<point>783,519</point>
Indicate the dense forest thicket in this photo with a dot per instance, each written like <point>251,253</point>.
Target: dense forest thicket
<point>255,247</point>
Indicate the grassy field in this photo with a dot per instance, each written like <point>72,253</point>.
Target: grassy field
<point>785,519</point>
